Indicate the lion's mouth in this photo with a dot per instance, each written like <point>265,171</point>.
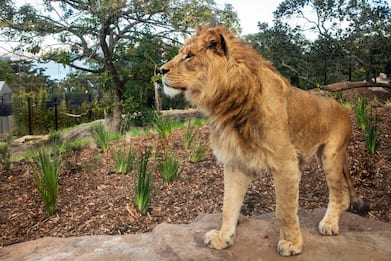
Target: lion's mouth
<point>172,90</point>
<point>166,84</point>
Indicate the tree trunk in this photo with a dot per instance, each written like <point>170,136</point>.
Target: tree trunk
<point>114,118</point>
<point>157,97</point>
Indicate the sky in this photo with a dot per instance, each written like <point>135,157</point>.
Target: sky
<point>250,12</point>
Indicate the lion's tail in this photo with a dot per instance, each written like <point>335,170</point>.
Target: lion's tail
<point>357,204</point>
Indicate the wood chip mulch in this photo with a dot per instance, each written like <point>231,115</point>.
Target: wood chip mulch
<point>94,200</point>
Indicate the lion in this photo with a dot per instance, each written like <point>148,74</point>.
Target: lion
<point>258,122</point>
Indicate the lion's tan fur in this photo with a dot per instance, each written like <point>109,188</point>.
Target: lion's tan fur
<point>258,121</point>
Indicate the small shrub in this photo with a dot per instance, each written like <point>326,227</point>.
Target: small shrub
<point>101,136</point>
<point>142,118</point>
<point>123,160</point>
<point>163,125</point>
<point>361,109</point>
<point>371,132</point>
<point>143,184</point>
<point>47,178</point>
<point>4,155</point>
<point>197,152</point>
<point>168,166</point>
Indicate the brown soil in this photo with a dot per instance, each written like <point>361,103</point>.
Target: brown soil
<point>93,199</point>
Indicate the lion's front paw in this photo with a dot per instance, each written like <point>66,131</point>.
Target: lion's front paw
<point>214,240</point>
<point>328,228</point>
<point>287,248</point>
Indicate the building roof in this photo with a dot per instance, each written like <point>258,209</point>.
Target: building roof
<point>4,87</point>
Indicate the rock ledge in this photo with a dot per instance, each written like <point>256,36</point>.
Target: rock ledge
<point>359,239</point>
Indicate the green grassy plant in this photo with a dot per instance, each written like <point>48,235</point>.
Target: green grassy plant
<point>197,152</point>
<point>361,109</point>
<point>143,183</point>
<point>188,134</point>
<point>54,138</point>
<point>163,125</point>
<point>123,160</point>
<point>371,132</point>
<point>47,178</point>
<point>74,145</point>
<point>101,136</point>
<point>4,156</point>
<point>168,166</point>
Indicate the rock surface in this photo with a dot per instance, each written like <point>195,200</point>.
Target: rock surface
<point>359,239</point>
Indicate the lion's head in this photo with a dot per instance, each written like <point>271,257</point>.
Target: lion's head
<point>211,66</point>
<point>190,70</point>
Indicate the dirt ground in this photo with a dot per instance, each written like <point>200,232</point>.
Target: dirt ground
<point>94,199</point>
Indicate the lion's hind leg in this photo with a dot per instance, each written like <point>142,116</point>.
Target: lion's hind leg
<point>339,200</point>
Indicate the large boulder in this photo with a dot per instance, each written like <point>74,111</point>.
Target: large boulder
<point>359,239</point>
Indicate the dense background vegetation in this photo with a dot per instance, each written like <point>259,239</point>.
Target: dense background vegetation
<point>116,47</point>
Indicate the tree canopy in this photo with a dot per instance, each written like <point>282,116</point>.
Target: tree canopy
<point>121,41</point>
<point>352,40</point>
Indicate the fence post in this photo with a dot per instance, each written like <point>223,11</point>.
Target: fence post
<point>29,115</point>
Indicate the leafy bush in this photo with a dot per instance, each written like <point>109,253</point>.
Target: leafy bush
<point>142,118</point>
<point>143,184</point>
<point>361,109</point>
<point>101,136</point>
<point>47,178</point>
<point>123,160</point>
<point>371,132</point>
<point>168,166</point>
<point>163,125</point>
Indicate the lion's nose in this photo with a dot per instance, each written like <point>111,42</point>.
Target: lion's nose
<point>164,70</point>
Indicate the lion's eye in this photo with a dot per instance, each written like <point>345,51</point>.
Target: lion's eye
<point>189,55</point>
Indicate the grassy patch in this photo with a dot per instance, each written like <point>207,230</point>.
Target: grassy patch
<point>47,178</point>
<point>168,165</point>
<point>124,160</point>
<point>143,183</point>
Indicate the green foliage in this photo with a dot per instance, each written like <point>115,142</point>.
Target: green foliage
<point>4,156</point>
<point>124,160</point>
<point>371,132</point>
<point>137,119</point>
<point>164,125</point>
<point>350,41</point>
<point>101,136</point>
<point>54,138</point>
<point>143,183</point>
<point>361,109</point>
<point>74,145</point>
<point>197,152</point>
<point>168,165</point>
<point>42,117</point>
<point>122,61</point>
<point>47,178</point>
<point>188,134</point>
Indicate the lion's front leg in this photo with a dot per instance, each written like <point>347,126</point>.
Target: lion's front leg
<point>235,187</point>
<point>287,193</point>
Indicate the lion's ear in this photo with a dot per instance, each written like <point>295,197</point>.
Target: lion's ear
<point>218,45</point>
